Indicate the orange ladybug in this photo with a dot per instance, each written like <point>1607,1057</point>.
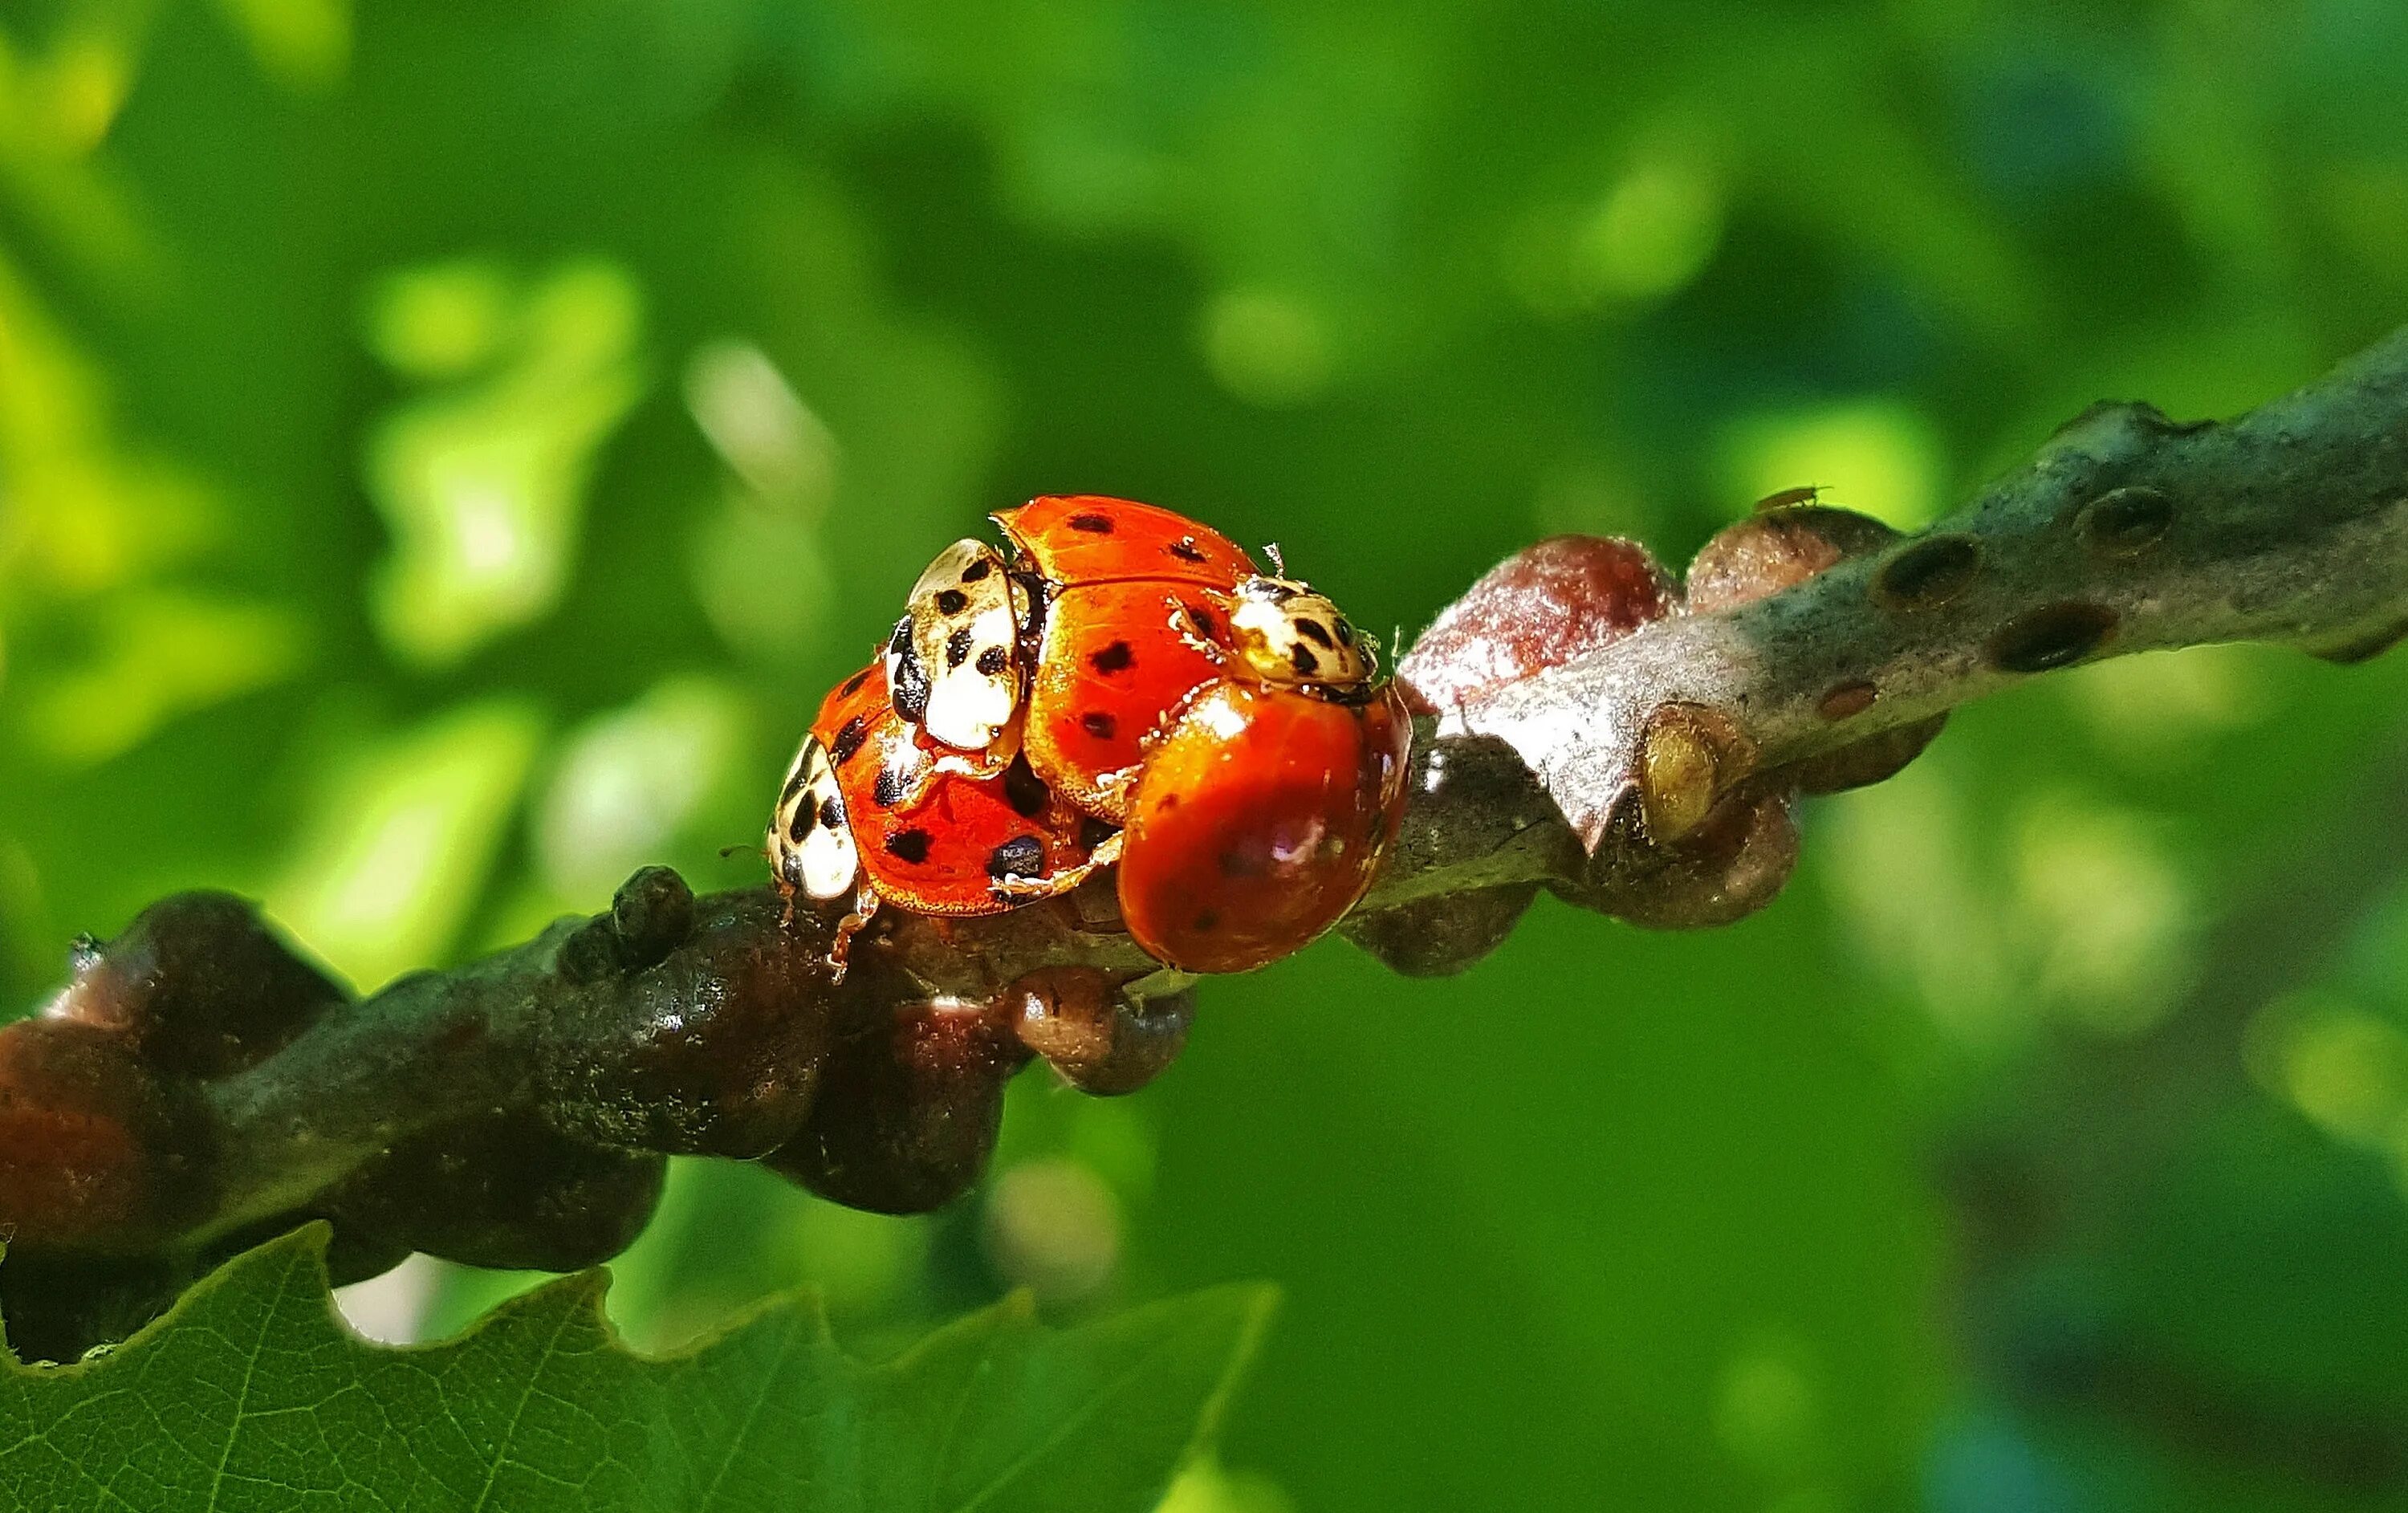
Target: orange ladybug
<point>1124,668</point>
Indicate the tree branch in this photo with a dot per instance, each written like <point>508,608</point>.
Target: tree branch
<point>1585,730</point>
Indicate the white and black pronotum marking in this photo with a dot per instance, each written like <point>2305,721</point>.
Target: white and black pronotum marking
<point>1292,636</point>
<point>951,664</point>
<point>810,846</point>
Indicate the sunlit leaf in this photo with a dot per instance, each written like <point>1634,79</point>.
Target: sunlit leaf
<point>249,1395</point>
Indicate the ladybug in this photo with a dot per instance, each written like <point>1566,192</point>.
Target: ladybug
<point>1126,687</point>
<point>875,808</point>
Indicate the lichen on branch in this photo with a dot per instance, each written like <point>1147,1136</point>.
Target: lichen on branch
<point>1586,726</point>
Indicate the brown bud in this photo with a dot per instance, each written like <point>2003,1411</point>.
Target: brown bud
<point>1733,864</point>
<point>1092,1030</point>
<point>1538,608</point>
<point>94,1146</point>
<point>1688,757</point>
<point>199,986</point>
<point>907,1112</point>
<point>1436,937</point>
<point>1763,554</point>
<point>507,1191</point>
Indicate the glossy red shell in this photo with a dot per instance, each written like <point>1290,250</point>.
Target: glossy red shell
<point>1258,821</point>
<point>1116,661</point>
<point>1087,538</point>
<point>939,840</point>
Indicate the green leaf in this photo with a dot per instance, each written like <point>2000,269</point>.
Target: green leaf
<point>249,1395</point>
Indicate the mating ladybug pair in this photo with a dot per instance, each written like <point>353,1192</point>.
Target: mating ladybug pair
<point>1119,687</point>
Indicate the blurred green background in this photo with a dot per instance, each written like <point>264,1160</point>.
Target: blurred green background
<point>445,449</point>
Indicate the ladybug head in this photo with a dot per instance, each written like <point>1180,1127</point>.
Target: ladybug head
<point>1289,636</point>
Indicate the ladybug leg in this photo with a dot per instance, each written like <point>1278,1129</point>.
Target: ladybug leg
<point>1105,1034</point>
<point>864,908</point>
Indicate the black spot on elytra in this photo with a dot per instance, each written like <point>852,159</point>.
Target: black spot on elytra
<point>1098,723</point>
<point>993,661</point>
<point>1024,789</point>
<point>1311,630</point>
<point>978,570</point>
<point>1186,549</point>
<point>957,646</point>
<point>1092,524</point>
<point>1023,856</point>
<point>952,601</point>
<point>852,684</point>
<point>849,737</point>
<point>1092,831</point>
<point>1206,923</point>
<point>908,846</point>
<point>832,811</point>
<point>887,792</point>
<point>1115,657</point>
<point>1303,661</point>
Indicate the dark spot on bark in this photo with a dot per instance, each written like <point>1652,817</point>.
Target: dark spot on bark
<point>1186,549</point>
<point>2125,522</point>
<point>849,737</point>
<point>1845,700</point>
<point>2055,636</point>
<point>908,846</point>
<point>1098,723</point>
<point>1928,572</point>
<point>1024,789</point>
<point>1115,657</point>
<point>1092,524</point>
<point>957,646</point>
<point>952,601</point>
<point>1313,631</point>
<point>993,661</point>
<point>1023,856</point>
<point>887,792</point>
<point>978,570</point>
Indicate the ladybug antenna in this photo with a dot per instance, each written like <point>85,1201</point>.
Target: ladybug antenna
<point>1279,564</point>
<point>754,847</point>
